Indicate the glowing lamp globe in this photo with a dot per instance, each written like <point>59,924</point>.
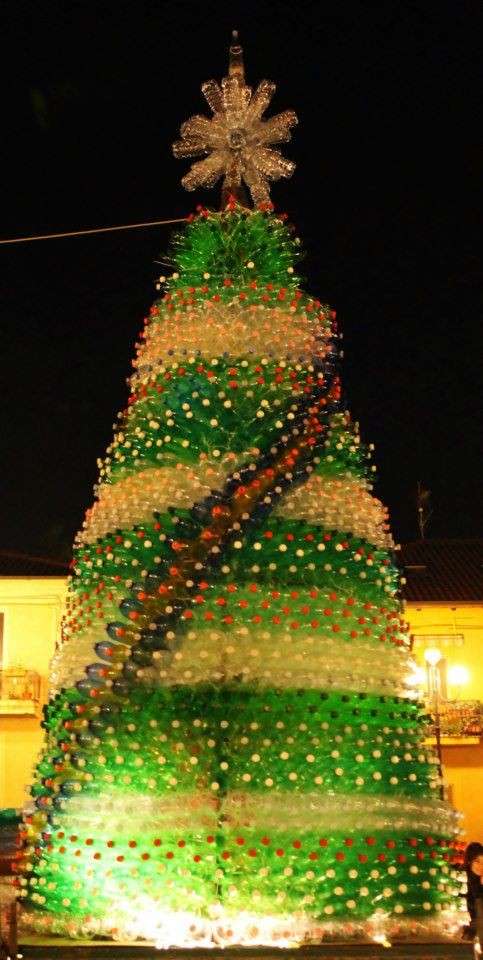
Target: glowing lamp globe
<point>458,676</point>
<point>432,656</point>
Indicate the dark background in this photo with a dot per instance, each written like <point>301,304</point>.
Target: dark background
<point>386,198</point>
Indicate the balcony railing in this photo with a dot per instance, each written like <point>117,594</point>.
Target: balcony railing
<point>459,719</point>
<point>19,691</point>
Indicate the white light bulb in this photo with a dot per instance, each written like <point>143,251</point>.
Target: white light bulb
<point>458,676</point>
<point>432,656</point>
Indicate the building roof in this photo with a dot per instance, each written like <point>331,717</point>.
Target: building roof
<point>447,570</point>
<point>14,564</point>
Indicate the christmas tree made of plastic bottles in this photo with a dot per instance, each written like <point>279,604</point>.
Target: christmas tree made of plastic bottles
<point>232,752</point>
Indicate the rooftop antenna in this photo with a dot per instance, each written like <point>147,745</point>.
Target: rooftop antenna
<point>423,502</point>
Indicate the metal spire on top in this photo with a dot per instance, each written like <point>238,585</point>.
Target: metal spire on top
<point>236,66</point>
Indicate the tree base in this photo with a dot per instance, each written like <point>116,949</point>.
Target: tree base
<point>173,931</point>
<point>58,949</point>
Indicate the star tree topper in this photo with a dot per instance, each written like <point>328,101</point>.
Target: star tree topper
<point>236,142</point>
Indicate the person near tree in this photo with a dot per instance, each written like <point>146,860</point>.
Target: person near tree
<point>473,863</point>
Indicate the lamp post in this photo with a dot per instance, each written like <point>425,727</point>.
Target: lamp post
<point>432,657</point>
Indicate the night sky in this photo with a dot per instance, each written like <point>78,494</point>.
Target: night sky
<point>386,198</point>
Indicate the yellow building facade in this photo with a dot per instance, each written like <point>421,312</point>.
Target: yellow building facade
<point>443,604</point>
<point>30,612</point>
<point>444,607</point>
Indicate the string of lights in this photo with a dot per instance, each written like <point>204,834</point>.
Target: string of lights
<point>83,233</point>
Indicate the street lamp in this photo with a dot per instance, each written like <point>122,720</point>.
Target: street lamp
<point>433,657</point>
